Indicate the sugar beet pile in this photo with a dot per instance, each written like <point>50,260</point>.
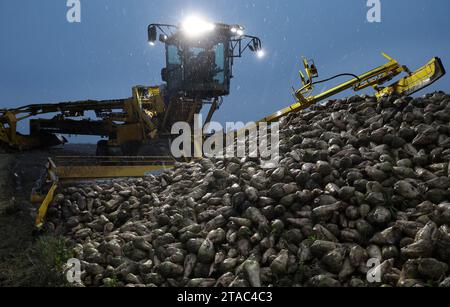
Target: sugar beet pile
<point>357,181</point>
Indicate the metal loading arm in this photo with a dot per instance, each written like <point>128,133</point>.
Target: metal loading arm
<point>375,78</point>
<point>10,137</point>
<point>130,119</point>
<point>415,81</point>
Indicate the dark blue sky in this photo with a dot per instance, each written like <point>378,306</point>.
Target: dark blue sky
<point>43,58</point>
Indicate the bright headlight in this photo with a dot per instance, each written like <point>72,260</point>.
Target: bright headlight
<point>260,54</point>
<point>194,26</point>
<point>238,30</point>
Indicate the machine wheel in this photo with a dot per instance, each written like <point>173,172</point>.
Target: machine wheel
<point>131,148</point>
<point>102,148</point>
<point>155,148</point>
<point>135,148</point>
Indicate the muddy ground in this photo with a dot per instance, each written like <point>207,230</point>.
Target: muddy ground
<point>18,174</point>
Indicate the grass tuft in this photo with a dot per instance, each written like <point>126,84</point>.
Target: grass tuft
<point>49,256</point>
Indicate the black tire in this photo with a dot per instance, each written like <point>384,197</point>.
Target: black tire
<point>131,148</point>
<point>155,148</point>
<point>102,148</point>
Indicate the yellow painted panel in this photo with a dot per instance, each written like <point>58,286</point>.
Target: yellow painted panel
<point>90,172</point>
<point>44,206</point>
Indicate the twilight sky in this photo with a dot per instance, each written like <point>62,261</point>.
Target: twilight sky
<point>43,58</point>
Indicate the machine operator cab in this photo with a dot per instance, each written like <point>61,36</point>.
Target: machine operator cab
<point>200,55</point>
<point>198,68</point>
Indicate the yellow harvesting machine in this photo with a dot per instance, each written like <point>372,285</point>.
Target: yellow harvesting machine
<point>198,72</point>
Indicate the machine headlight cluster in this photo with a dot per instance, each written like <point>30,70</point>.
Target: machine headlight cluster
<point>195,26</point>
<point>238,30</point>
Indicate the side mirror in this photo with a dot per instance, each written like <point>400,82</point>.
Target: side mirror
<point>256,45</point>
<point>152,33</point>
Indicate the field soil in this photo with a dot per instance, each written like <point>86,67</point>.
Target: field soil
<point>18,174</point>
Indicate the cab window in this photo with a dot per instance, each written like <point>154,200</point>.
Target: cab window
<point>173,55</point>
<point>219,51</point>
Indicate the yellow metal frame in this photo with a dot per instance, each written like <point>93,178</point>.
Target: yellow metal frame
<point>414,82</point>
<point>42,212</point>
<point>9,135</point>
<point>422,77</point>
<point>83,168</point>
<point>138,114</point>
<point>98,172</point>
